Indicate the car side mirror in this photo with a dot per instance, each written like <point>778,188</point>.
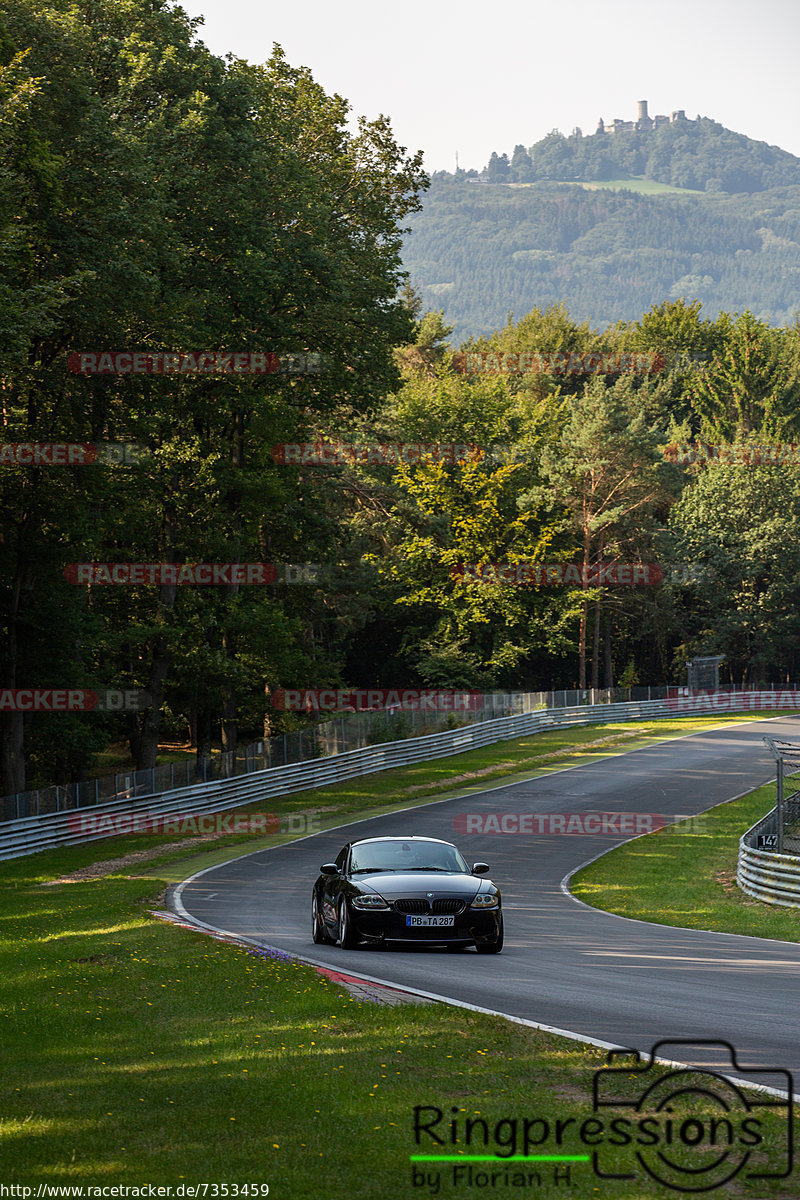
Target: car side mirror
<point>480,868</point>
<point>329,869</point>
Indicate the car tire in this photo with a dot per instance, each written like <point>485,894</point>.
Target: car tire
<point>492,947</point>
<point>347,937</point>
<point>319,933</point>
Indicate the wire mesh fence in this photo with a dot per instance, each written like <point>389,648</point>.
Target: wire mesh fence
<point>780,829</point>
<point>335,735</point>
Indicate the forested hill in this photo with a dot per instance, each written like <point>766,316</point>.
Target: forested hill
<point>481,250</point>
<point>700,154</point>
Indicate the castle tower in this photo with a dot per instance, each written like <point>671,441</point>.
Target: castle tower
<point>643,122</point>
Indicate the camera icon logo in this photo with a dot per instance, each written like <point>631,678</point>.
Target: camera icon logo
<point>691,1129</point>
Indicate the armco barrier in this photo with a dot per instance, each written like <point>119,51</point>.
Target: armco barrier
<point>765,874</point>
<point>30,834</point>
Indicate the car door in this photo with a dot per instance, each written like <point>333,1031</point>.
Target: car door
<point>332,888</point>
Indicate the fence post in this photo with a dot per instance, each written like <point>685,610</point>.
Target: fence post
<point>779,805</point>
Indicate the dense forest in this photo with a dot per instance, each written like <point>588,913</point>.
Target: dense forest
<point>226,208</point>
<point>480,251</point>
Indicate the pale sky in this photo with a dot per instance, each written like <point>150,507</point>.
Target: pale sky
<point>474,78</point>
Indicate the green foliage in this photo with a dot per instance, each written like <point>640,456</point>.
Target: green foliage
<point>742,523</point>
<point>160,197</point>
<point>751,384</point>
<point>700,154</point>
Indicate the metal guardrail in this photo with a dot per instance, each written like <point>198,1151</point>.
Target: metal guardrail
<point>31,834</point>
<point>769,852</point>
<point>765,874</point>
<point>337,734</point>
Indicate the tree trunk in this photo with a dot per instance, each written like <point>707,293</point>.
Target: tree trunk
<point>160,664</point>
<point>596,644</point>
<point>12,724</point>
<point>584,613</point>
<point>229,730</point>
<point>609,664</point>
<point>12,759</point>
<point>204,728</point>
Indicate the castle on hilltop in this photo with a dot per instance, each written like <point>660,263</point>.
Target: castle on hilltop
<point>643,123</point>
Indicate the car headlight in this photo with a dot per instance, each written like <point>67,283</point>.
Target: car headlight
<point>485,900</point>
<point>369,902</point>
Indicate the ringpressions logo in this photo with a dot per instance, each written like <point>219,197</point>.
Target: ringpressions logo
<point>687,1128</point>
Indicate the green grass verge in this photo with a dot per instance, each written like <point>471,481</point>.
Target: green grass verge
<point>137,1052</point>
<point>686,875</point>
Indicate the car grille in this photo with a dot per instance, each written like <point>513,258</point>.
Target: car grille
<point>414,907</point>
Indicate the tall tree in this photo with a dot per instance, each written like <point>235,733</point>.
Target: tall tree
<point>608,471</point>
<point>751,385</point>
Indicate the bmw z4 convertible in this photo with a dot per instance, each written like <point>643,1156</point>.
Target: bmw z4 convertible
<point>412,890</point>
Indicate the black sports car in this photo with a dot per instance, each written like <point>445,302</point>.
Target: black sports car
<point>413,890</point>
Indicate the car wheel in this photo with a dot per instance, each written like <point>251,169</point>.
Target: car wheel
<point>492,947</point>
<point>347,938</point>
<point>318,931</point>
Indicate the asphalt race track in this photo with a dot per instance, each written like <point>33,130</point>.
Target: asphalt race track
<point>565,965</point>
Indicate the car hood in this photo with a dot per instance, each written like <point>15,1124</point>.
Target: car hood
<point>419,883</point>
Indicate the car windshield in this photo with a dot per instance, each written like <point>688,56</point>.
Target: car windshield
<point>406,856</point>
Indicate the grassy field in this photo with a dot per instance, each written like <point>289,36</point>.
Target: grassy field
<point>137,1052</point>
<point>648,187</point>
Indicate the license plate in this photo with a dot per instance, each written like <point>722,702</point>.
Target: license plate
<point>437,921</point>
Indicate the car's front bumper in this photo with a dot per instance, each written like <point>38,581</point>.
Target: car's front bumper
<point>470,927</point>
